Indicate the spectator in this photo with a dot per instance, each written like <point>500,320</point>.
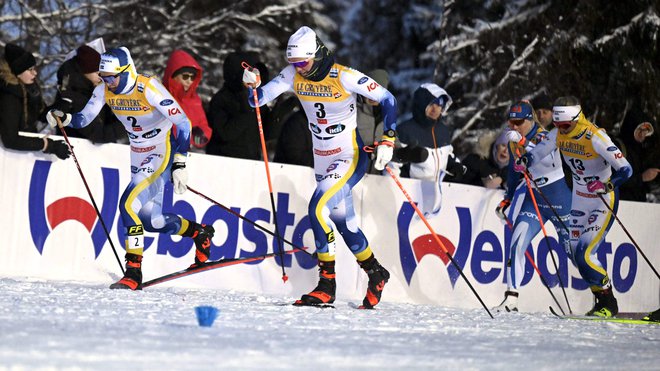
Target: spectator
<point>370,116</point>
<point>639,145</point>
<point>294,145</point>
<point>234,122</point>
<point>426,129</point>
<point>76,80</point>
<point>22,104</point>
<point>182,77</point>
<point>487,166</point>
<point>543,109</point>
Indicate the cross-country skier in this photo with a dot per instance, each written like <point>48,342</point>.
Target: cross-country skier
<point>548,175</point>
<point>151,118</point>
<point>591,155</point>
<point>327,91</point>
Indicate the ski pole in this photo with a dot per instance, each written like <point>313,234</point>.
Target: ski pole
<point>89,192</point>
<point>435,236</point>
<point>303,249</point>
<point>529,257</point>
<point>629,236</point>
<point>264,152</point>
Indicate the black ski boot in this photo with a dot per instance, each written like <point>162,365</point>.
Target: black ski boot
<point>324,293</point>
<point>605,304</point>
<point>202,235</point>
<point>132,279</point>
<point>653,316</point>
<point>378,277</point>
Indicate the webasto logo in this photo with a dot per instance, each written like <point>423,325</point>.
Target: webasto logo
<point>482,256</point>
<point>45,218</point>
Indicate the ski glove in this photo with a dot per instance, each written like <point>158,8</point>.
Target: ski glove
<point>513,136</point>
<point>58,148</point>
<point>179,174</point>
<point>384,152</point>
<point>599,187</point>
<point>500,210</point>
<point>251,78</point>
<point>520,165</point>
<point>52,116</point>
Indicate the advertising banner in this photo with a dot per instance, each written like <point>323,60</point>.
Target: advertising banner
<point>51,230</point>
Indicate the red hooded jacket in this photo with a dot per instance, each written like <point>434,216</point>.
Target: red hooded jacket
<point>189,101</point>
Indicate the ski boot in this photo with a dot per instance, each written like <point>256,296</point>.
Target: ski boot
<point>509,304</point>
<point>324,293</point>
<point>202,235</point>
<point>653,316</point>
<point>132,279</point>
<point>378,277</point>
<point>605,304</point>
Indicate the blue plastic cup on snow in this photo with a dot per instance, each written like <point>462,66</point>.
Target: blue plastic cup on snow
<point>206,315</point>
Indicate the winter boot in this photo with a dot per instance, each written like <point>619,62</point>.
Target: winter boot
<point>378,277</point>
<point>510,303</point>
<point>202,235</point>
<point>133,277</point>
<point>324,293</point>
<point>605,304</point>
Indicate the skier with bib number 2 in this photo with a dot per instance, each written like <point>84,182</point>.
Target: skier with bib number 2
<point>151,117</point>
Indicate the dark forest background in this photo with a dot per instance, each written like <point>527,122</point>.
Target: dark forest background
<point>487,54</point>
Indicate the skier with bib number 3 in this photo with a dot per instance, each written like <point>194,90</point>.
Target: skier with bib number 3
<point>327,91</point>
<point>151,117</point>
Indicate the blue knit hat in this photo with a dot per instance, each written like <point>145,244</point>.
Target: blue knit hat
<point>521,111</point>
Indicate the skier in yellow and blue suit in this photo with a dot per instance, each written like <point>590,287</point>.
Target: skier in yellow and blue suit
<point>591,155</point>
<point>159,136</point>
<point>327,92</point>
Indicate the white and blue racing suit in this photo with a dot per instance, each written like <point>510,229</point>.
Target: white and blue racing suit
<point>547,173</point>
<point>149,113</point>
<point>339,160</point>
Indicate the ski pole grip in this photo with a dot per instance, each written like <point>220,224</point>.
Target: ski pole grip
<point>246,65</point>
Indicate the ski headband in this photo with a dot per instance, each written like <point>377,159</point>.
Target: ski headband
<point>566,113</point>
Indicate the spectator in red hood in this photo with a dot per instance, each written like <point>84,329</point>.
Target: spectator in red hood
<point>182,76</point>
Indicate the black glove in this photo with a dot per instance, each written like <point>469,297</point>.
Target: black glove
<point>455,167</point>
<point>199,139</point>
<point>500,210</point>
<point>411,153</point>
<point>58,148</point>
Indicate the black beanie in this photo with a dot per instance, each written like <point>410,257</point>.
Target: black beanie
<point>542,101</point>
<point>88,59</point>
<point>19,60</point>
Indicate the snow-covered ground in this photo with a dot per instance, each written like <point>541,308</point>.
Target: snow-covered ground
<point>67,325</point>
